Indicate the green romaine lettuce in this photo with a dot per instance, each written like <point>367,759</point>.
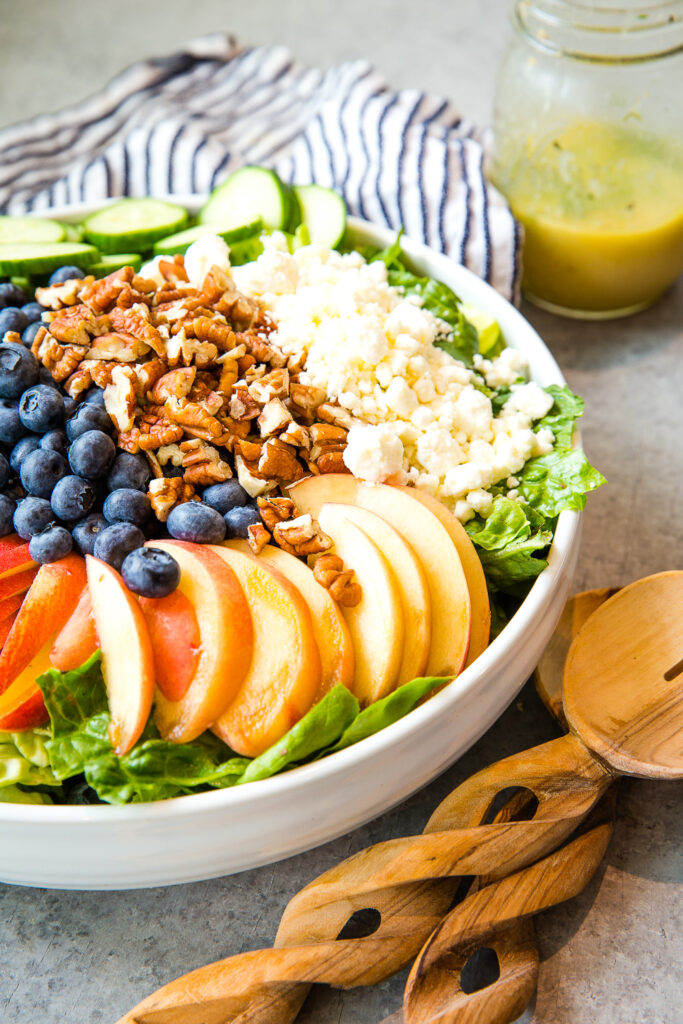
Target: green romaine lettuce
<point>24,760</point>
<point>558,481</point>
<point>510,541</point>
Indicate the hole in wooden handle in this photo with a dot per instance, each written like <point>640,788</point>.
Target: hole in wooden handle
<point>674,671</point>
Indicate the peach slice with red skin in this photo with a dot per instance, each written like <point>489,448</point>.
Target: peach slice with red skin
<point>14,555</point>
<point>127,661</point>
<point>17,582</point>
<point>284,674</point>
<point>77,640</point>
<point>226,641</point>
<point>5,626</point>
<point>176,641</point>
<point>46,607</point>
<point>329,626</point>
<point>11,604</point>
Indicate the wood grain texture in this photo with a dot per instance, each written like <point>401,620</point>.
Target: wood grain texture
<point>549,671</point>
<point>623,679</point>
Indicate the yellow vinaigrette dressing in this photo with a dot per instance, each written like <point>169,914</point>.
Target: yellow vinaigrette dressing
<point>602,209</point>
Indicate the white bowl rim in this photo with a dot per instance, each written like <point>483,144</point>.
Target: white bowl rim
<point>295,780</point>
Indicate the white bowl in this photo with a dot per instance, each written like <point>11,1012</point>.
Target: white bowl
<point>212,834</point>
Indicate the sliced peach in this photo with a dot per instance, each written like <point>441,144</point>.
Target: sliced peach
<point>284,674</point>
<point>412,585</point>
<point>329,626</point>
<point>474,573</point>
<point>176,641</point>
<point>222,612</point>
<point>77,640</point>
<point>16,581</point>
<point>14,555</point>
<point>11,604</point>
<point>46,607</point>
<point>451,610</point>
<point>5,626</point>
<point>127,661</point>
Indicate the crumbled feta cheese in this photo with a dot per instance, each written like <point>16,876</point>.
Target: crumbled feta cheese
<point>372,349</point>
<point>208,251</point>
<point>373,453</point>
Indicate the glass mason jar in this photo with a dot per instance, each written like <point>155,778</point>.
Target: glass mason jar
<point>588,126</point>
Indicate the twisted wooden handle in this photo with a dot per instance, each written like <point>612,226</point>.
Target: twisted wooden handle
<point>408,883</point>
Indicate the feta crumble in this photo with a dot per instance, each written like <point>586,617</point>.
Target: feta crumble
<point>372,349</point>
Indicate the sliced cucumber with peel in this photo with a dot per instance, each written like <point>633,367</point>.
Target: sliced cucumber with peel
<point>30,229</point>
<point>25,259</point>
<point>133,225</point>
<point>182,240</point>
<point>248,194</point>
<point>109,262</point>
<point>73,232</point>
<point>323,212</point>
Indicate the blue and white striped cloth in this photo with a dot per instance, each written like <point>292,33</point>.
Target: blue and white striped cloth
<point>180,124</point>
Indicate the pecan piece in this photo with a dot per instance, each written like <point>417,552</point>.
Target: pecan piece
<point>174,384</point>
<point>279,460</point>
<point>184,351</point>
<point>333,413</point>
<point>120,399</point>
<point>205,329</point>
<point>167,492</point>
<point>76,326</point>
<point>78,382</point>
<point>275,510</point>
<point>301,536</point>
<point>332,462</point>
<point>250,479</point>
<point>193,416</point>
<point>273,385</point>
<point>147,374</point>
<point>297,434</point>
<point>122,348</point>
<point>330,573</point>
<point>101,295</point>
<point>257,537</point>
<point>274,417</point>
<point>56,296</point>
<point>135,322</point>
<point>242,405</point>
<point>202,463</point>
<point>60,360</point>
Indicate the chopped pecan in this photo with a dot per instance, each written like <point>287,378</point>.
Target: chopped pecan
<point>304,401</point>
<point>101,295</point>
<point>242,405</point>
<point>156,431</point>
<point>130,297</point>
<point>202,463</point>
<point>275,510</point>
<point>120,399</point>
<point>100,370</point>
<point>116,346</point>
<point>246,364</point>
<point>297,434</point>
<point>301,536</point>
<point>78,382</point>
<point>173,270</point>
<point>167,492</point>
<point>250,449</point>
<point>240,310</point>
<point>77,325</point>
<point>333,413</point>
<point>324,435</point>
<point>135,322</point>
<point>214,286</point>
<point>192,415</point>
<point>147,374</point>
<point>204,328</point>
<point>229,370</point>
<point>154,464</point>
<point>257,537</point>
<point>250,479</point>
<point>279,460</point>
<point>170,453</point>
<point>274,418</point>
<point>60,360</point>
<point>272,385</point>
<point>174,384</point>
<point>184,351</point>
<point>11,338</point>
<point>260,349</point>
<point>330,573</point>
<point>332,462</point>
<point>56,296</point>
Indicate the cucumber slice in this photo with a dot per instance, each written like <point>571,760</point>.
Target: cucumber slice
<point>182,240</point>
<point>109,262</point>
<point>73,233</point>
<point>491,341</point>
<point>248,194</point>
<point>133,225</point>
<point>30,229</point>
<point>29,258</point>
<point>323,212</point>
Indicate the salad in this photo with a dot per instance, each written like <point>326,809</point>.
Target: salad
<point>262,491</point>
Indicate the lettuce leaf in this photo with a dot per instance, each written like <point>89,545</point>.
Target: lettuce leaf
<point>558,481</point>
<point>24,760</point>
<point>510,541</point>
<point>561,419</point>
<point>17,795</point>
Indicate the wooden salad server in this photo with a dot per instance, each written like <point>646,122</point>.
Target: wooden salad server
<point>360,922</point>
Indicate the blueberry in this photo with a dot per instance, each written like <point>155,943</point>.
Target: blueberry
<point>41,409</point>
<point>72,498</point>
<point>69,406</point>
<point>238,519</point>
<point>65,274</point>
<point>52,544</point>
<point>85,532</point>
<point>4,470</point>
<point>196,522</point>
<point>14,490</point>
<point>11,295</point>
<point>31,516</point>
<point>129,471</point>
<point>7,507</point>
<point>11,427</point>
<point>55,441</point>
<point>28,335</point>
<point>45,377</point>
<point>150,572</point>
<point>13,319</point>
<point>116,541</point>
<point>126,505</point>
<point>33,311</point>
<point>226,496</point>
<point>41,470</point>
<point>18,369</point>
<point>88,417</point>
<point>21,450</point>
<point>95,396</point>
<point>92,454</point>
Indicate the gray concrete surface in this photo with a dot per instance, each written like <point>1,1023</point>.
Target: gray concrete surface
<point>611,956</point>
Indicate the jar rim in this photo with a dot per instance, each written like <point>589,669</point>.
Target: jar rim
<point>603,32</point>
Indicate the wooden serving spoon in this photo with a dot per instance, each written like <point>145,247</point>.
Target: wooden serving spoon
<point>636,641</point>
<point>623,701</point>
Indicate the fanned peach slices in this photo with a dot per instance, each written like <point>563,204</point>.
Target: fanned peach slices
<point>248,643</point>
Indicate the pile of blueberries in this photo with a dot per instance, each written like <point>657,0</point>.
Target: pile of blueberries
<point>64,485</point>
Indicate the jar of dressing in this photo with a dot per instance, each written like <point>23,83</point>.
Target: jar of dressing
<point>588,126</point>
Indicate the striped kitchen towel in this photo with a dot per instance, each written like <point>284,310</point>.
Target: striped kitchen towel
<point>180,124</point>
